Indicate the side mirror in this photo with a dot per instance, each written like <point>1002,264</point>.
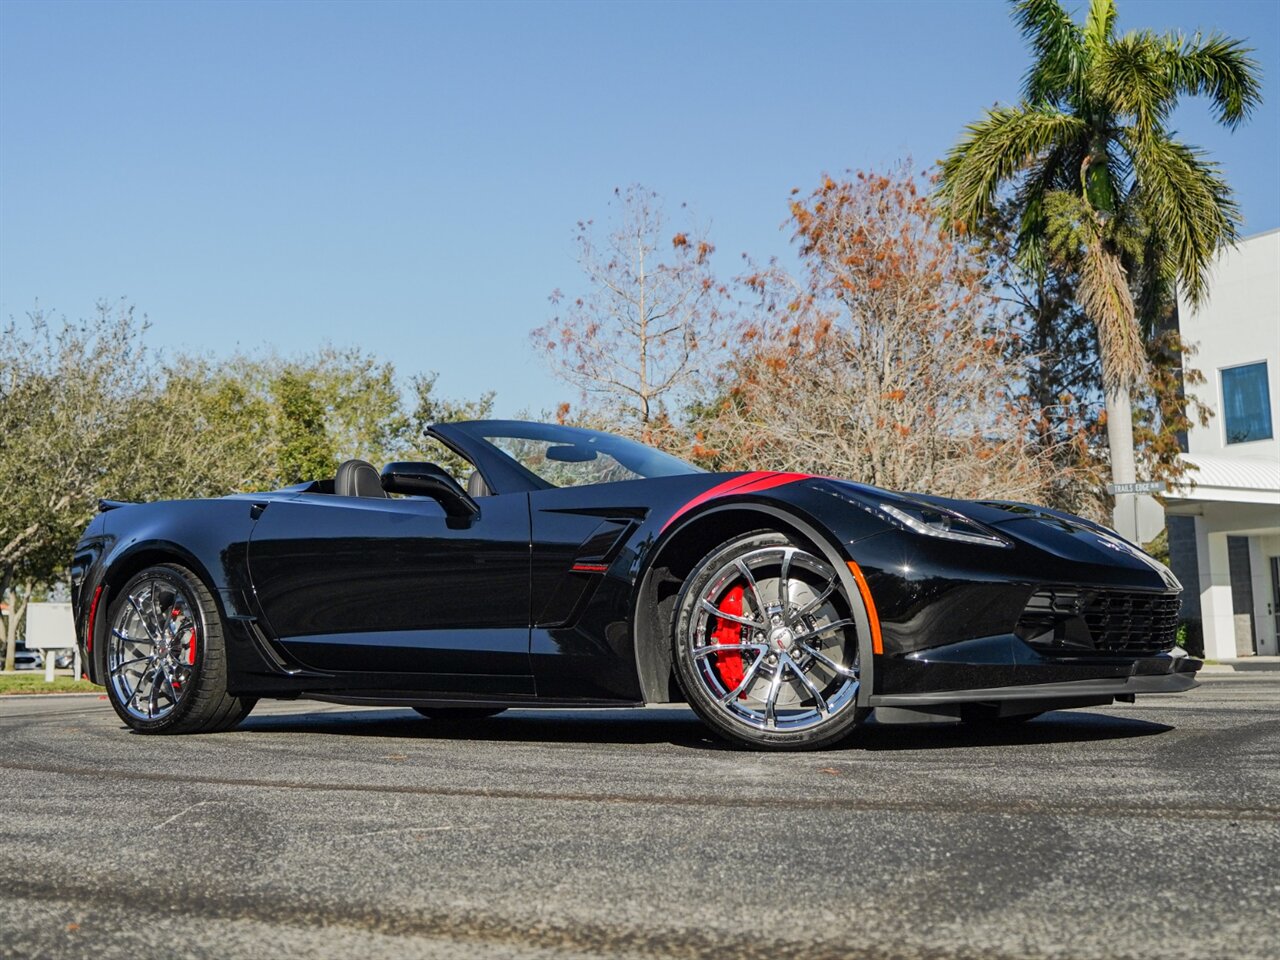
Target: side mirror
<point>429,480</point>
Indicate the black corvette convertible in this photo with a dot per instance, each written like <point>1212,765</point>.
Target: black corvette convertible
<point>578,569</point>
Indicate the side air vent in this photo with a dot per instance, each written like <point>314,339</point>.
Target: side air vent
<point>1069,620</point>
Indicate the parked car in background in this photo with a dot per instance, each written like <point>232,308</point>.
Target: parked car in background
<point>28,660</point>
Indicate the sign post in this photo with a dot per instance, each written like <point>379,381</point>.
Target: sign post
<point>1126,509</point>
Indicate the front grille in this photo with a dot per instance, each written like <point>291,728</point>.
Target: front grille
<point>1070,620</point>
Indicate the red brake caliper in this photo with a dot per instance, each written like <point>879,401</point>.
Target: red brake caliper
<point>729,663</point>
<point>191,647</point>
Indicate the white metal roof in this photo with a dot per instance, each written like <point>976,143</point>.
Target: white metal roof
<point>1240,479</point>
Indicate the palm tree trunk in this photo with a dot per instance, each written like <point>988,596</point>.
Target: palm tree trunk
<point>1123,467</point>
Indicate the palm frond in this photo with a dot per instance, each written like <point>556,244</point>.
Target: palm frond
<point>1153,280</point>
<point>1187,201</point>
<point>1070,226</point>
<point>1131,77</point>
<point>1099,24</point>
<point>1079,240</point>
<point>1007,140</point>
<point>1105,296</point>
<point>1217,67</point>
<point>1038,181</point>
<point>1055,38</point>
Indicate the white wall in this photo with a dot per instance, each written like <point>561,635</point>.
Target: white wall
<point>1265,604</point>
<point>1240,323</point>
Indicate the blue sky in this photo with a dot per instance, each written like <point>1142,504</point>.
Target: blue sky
<point>406,177</point>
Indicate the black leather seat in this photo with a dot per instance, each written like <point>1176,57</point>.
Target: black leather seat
<point>476,487</point>
<point>358,478</point>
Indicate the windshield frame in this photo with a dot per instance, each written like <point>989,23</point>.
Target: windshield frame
<point>505,474</point>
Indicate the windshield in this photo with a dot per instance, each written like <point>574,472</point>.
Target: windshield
<point>573,457</point>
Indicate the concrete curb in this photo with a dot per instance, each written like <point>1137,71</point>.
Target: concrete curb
<point>1254,664</point>
<point>45,696</point>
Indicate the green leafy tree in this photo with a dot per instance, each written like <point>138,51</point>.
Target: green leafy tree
<point>1104,189</point>
<point>200,432</point>
<point>67,396</point>
<point>306,450</point>
<point>364,412</point>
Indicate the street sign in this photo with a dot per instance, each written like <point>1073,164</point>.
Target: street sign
<point>50,627</point>
<point>1143,486</point>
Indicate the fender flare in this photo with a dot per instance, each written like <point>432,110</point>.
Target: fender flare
<point>122,558</point>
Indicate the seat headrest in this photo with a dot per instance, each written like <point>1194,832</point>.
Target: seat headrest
<point>358,478</point>
<point>476,487</point>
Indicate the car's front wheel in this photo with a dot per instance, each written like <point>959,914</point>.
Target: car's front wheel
<point>766,647</point>
<point>166,664</point>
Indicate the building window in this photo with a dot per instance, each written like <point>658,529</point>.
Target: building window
<point>1246,403</point>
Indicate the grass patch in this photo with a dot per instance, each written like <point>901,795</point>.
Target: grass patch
<point>34,683</point>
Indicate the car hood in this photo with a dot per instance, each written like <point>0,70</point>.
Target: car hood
<point>1054,532</point>
<point>1061,534</point>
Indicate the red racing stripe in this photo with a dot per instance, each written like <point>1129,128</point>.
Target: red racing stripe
<point>753,482</point>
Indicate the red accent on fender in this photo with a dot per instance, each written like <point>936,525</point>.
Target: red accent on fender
<point>93,612</point>
<point>590,567</point>
<point>729,663</point>
<point>753,482</point>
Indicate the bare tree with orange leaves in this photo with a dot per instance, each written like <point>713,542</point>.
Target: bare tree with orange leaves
<point>884,361</point>
<point>646,327</point>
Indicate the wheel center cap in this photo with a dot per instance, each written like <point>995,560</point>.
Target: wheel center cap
<point>780,638</point>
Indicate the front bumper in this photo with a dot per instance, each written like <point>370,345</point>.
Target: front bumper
<point>1005,668</point>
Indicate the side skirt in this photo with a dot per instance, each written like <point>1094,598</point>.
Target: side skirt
<point>409,699</point>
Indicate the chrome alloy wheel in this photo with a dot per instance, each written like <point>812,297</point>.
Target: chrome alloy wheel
<point>151,652</point>
<point>771,643</point>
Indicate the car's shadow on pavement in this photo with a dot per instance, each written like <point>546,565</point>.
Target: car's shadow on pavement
<point>681,728</point>
<point>1060,726</point>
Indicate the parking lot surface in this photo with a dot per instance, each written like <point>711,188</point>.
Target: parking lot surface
<point>1149,831</point>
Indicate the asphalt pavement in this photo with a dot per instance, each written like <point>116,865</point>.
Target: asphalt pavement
<point>1149,830</point>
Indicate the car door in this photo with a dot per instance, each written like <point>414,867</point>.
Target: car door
<point>394,587</point>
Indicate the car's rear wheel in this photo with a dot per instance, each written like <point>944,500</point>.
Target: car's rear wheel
<point>765,645</point>
<point>166,665</point>
<point>459,713</point>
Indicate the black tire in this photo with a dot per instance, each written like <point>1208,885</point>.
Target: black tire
<point>204,705</point>
<point>725,720</point>
<point>459,713</point>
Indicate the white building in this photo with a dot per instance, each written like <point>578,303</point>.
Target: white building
<point>1224,523</point>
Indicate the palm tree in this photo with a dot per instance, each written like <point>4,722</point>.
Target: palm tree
<point>1101,182</point>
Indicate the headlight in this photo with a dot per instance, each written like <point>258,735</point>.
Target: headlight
<point>942,523</point>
